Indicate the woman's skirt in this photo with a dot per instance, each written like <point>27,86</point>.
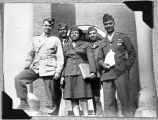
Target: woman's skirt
<point>76,88</point>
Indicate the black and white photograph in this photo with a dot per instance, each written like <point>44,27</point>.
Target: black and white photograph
<point>78,59</point>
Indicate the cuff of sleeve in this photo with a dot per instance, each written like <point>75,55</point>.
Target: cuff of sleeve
<point>93,72</point>
<point>58,71</point>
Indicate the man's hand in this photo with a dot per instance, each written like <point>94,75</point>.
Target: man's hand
<point>93,75</point>
<point>27,65</point>
<point>62,83</point>
<point>105,65</point>
<point>56,76</point>
<point>62,80</point>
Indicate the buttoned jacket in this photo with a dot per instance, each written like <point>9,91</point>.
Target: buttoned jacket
<point>74,56</point>
<point>125,55</point>
<point>94,46</point>
<point>64,41</point>
<point>46,55</point>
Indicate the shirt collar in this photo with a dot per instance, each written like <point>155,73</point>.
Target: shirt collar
<point>44,35</point>
<point>64,40</point>
<point>112,34</point>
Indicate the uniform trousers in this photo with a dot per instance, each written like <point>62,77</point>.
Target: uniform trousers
<point>96,86</point>
<point>121,84</point>
<point>52,87</point>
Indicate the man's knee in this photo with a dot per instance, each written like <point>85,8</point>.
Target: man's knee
<point>19,79</point>
<point>16,78</point>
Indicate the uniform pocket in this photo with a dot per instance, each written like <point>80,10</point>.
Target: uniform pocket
<point>119,69</point>
<point>51,62</point>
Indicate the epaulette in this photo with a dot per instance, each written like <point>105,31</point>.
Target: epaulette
<point>122,34</point>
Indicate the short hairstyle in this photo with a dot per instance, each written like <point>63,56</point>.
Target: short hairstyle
<point>49,20</point>
<point>77,29</point>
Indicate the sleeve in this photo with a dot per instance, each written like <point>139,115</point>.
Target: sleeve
<point>30,55</point>
<point>131,53</point>
<point>63,70</point>
<point>59,56</point>
<point>100,57</point>
<point>91,60</point>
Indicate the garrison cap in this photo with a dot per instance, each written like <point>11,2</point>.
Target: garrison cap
<point>62,25</point>
<point>107,17</point>
<point>92,29</point>
<point>50,20</point>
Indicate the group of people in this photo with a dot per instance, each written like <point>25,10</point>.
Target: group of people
<point>57,60</point>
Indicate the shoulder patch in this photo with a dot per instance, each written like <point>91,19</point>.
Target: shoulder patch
<point>102,43</point>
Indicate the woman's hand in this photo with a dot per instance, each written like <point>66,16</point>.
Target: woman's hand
<point>93,75</point>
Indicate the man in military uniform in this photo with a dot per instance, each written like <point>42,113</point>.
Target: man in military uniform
<point>116,57</point>
<point>63,33</point>
<point>44,60</point>
<point>96,83</point>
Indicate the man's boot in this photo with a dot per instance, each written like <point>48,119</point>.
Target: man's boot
<point>23,104</point>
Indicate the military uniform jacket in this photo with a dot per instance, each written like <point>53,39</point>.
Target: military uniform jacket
<point>46,55</point>
<point>94,46</point>
<point>81,53</point>
<point>125,55</point>
<point>64,41</point>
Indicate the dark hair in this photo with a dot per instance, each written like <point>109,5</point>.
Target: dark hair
<point>49,20</point>
<point>77,29</point>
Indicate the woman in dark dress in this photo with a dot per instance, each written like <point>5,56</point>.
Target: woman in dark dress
<point>77,89</point>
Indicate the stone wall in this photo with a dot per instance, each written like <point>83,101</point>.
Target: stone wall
<point>1,57</point>
<point>83,14</point>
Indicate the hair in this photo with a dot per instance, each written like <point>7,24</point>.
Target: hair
<point>49,20</point>
<point>77,29</point>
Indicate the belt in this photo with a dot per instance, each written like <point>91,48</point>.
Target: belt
<point>47,57</point>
